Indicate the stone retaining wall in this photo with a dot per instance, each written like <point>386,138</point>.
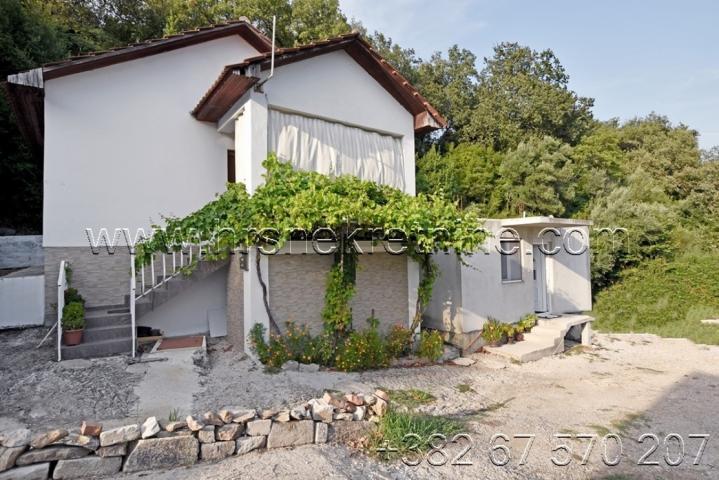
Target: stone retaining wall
<point>157,444</point>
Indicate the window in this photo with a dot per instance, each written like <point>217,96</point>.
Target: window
<point>231,166</point>
<point>511,263</point>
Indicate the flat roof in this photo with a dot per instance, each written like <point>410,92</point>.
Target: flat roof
<point>541,221</point>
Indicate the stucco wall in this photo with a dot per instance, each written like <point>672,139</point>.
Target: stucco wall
<point>335,87</point>
<point>121,148</point>
<point>297,288</point>
<point>484,294</point>
<point>570,287</point>
<point>444,311</point>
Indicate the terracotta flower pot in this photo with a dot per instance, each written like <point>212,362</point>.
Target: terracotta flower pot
<point>72,337</point>
<point>519,337</point>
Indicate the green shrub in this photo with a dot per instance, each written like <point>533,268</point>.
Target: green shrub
<point>431,345</point>
<point>527,322</point>
<point>363,350</point>
<point>272,355</point>
<point>73,316</point>
<point>492,331</point>
<point>666,298</point>
<point>337,313</point>
<point>72,296</point>
<point>399,341</point>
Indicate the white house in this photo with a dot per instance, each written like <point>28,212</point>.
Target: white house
<point>158,128</point>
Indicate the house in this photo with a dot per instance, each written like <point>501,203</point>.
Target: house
<point>527,265</point>
<point>158,128</point>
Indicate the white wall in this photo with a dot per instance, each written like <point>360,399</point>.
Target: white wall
<point>188,313</point>
<point>570,281</point>
<point>485,295</point>
<point>121,148</point>
<point>22,300</point>
<point>335,87</point>
<point>464,297</point>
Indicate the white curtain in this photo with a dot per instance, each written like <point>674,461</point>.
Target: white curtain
<point>334,149</point>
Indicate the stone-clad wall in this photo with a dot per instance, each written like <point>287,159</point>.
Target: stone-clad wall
<point>297,289</point>
<point>103,279</point>
<point>157,444</point>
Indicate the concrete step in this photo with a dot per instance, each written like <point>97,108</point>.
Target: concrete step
<point>98,334</point>
<point>104,348</point>
<point>114,320</point>
<point>525,351</point>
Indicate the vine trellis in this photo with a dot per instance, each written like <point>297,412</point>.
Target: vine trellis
<point>292,201</point>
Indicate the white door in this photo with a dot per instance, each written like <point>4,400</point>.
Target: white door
<point>539,263</point>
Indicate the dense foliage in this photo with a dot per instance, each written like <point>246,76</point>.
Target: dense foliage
<point>667,298</point>
<point>357,350</point>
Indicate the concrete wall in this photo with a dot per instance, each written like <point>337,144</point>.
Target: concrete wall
<point>570,288</point>
<point>445,309</point>
<point>188,313</point>
<point>297,288</point>
<point>21,299</point>
<point>19,251</point>
<point>121,148</point>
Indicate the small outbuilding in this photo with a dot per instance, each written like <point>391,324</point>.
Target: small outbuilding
<point>527,265</point>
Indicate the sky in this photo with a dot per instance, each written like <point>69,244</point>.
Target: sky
<point>633,57</point>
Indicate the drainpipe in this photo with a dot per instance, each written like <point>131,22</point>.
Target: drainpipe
<point>258,87</point>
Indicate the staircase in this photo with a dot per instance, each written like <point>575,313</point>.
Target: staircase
<point>545,339</point>
<point>108,328</point>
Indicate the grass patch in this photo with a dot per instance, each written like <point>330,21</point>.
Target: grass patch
<point>666,298</point>
<point>411,398</point>
<point>395,436</point>
<point>464,388</point>
<point>623,425</point>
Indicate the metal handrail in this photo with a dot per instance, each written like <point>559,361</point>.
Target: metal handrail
<point>61,287</point>
<point>154,284</point>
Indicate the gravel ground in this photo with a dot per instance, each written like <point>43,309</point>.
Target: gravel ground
<point>35,390</point>
<point>628,385</point>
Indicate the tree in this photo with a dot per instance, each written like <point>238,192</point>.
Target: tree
<point>28,37</point>
<point>522,93</point>
<point>467,174</point>
<point>538,178</point>
<point>449,84</point>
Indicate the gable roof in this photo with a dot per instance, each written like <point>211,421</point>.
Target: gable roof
<point>93,60</point>
<point>235,81</point>
<point>27,98</point>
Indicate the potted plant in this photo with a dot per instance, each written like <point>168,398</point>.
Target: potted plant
<point>510,331</point>
<point>528,321</point>
<point>493,333</point>
<point>73,323</point>
<point>519,332</point>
